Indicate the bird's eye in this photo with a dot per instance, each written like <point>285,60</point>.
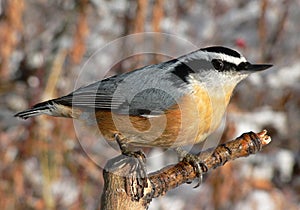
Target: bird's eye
<point>218,64</point>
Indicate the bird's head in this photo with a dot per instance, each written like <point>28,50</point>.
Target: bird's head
<point>216,63</point>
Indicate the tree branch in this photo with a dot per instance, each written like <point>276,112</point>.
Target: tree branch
<point>114,193</point>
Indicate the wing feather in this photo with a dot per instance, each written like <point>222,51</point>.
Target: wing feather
<point>136,92</point>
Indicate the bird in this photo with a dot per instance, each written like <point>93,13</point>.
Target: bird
<point>188,94</point>
<point>171,104</point>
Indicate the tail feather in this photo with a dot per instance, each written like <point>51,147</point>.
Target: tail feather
<point>38,109</point>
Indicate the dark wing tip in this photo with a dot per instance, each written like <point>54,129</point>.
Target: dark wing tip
<point>37,109</point>
<point>26,114</point>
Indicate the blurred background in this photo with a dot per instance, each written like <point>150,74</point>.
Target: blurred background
<point>45,43</point>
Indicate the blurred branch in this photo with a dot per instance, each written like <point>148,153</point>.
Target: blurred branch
<point>133,24</point>
<point>44,132</point>
<point>114,192</point>
<point>11,23</point>
<point>82,30</point>
<point>262,26</point>
<point>269,43</point>
<point>274,39</point>
<point>54,76</point>
<point>157,15</point>
<point>140,19</point>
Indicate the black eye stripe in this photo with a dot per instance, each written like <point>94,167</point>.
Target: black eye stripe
<point>243,66</point>
<point>221,65</point>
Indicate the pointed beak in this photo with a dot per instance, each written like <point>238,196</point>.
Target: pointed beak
<point>251,68</point>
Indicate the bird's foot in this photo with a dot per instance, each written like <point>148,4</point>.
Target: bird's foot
<point>136,180</point>
<point>195,161</point>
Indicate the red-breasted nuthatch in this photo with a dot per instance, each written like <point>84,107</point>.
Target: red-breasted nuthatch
<point>170,104</point>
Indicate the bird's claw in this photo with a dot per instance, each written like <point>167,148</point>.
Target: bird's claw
<point>136,180</point>
<point>198,166</point>
<point>196,162</point>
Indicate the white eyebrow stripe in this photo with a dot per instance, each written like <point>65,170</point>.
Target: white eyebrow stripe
<point>231,59</point>
<point>228,58</point>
